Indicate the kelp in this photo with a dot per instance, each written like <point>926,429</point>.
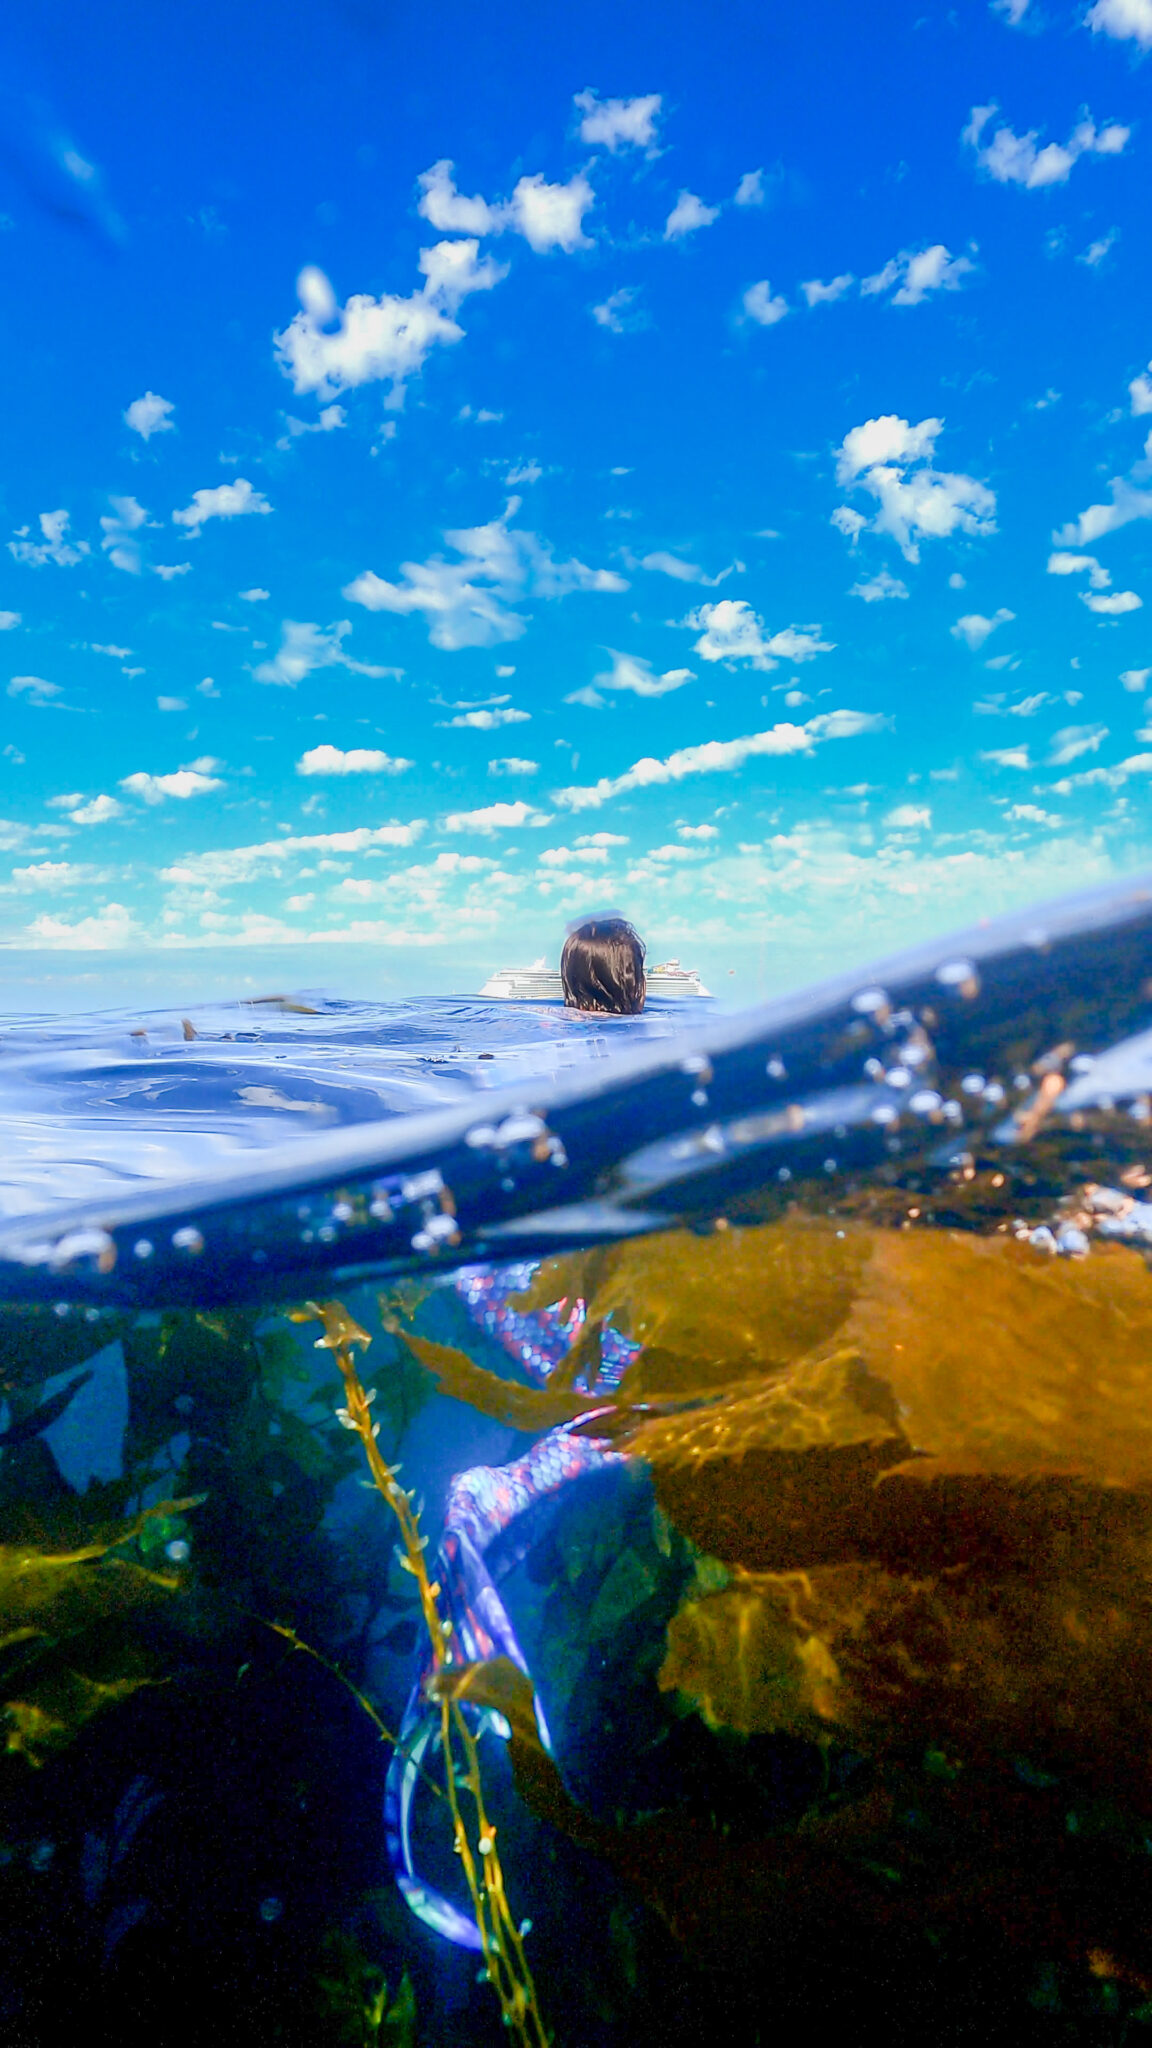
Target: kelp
<point>67,1650</point>
<point>926,1844</point>
<point>1059,1671</point>
<point>501,1938</point>
<point>709,1311</point>
<point>527,1408</point>
<point>355,2007</point>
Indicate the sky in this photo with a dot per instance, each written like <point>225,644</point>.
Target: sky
<point>464,471</point>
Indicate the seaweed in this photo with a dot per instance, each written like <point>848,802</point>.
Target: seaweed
<point>355,2008</point>
<point>502,1939</point>
<point>68,1649</point>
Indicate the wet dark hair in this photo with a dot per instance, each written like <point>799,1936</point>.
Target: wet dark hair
<point>602,968</point>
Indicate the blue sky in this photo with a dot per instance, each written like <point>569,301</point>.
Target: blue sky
<point>464,471</point>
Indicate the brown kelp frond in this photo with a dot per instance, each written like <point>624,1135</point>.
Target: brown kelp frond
<point>710,1310</point>
<point>527,1408</point>
<point>500,1938</point>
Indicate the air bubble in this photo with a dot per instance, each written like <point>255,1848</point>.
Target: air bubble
<point>960,975</point>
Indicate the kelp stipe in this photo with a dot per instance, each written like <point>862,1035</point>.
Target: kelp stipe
<point>506,1965</point>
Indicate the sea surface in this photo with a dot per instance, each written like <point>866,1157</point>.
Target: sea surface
<point>520,1525</point>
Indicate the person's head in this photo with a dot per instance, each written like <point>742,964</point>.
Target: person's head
<point>602,967</point>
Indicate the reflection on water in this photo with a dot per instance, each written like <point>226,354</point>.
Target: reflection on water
<point>732,1455</point>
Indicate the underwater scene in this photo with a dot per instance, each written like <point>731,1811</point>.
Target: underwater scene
<point>524,1525</point>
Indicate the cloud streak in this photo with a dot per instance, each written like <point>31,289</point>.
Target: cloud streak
<point>719,757</point>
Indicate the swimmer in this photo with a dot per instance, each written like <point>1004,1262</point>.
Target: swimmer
<point>602,968</point>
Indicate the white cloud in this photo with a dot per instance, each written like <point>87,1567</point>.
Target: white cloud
<point>182,783</point>
<point>618,124</point>
<point>918,272</point>
<point>731,631</point>
<point>125,520</point>
<point>930,270</point>
<point>55,874</point>
<point>1096,251</point>
<point>170,569</point>
<point>356,761</point>
<point>1072,741</point>
<point>1012,10</point>
<point>719,757</point>
<point>620,312</point>
<point>513,764</point>
<point>1031,814</point>
<point>54,547</point>
<point>1015,160</point>
<point>1140,389</point>
<point>1007,757</point>
<point>665,564</point>
<point>328,421</point>
<point>495,818</point>
<point>1136,678</point>
<point>552,216</point>
<point>849,522</point>
<point>1126,20</point>
<point>150,415</point>
<point>548,217</point>
<point>447,209</point>
<point>107,930</point>
<point>759,304</point>
<point>109,648</point>
<point>885,440</point>
<point>892,460</point>
<point>1111,778</point>
<point>908,818</point>
<point>305,646</point>
<point>1062,564</point>
<point>817,293</point>
<point>974,628</point>
<point>225,867</point>
<point>255,596</point>
<point>224,501</point>
<point>453,270</point>
<point>100,810</point>
<point>750,191</point>
<point>1127,504</point>
<point>689,214</point>
<point>327,348</point>
<point>698,831</point>
<point>1115,604</point>
<point>468,602</point>
<point>571,857</point>
<point>9,620</point>
<point>485,720</point>
<point>879,587</point>
<point>631,672</point>
<point>171,704</point>
<point>35,689</point>
<point>603,839</point>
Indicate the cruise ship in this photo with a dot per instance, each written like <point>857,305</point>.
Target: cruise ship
<point>542,984</point>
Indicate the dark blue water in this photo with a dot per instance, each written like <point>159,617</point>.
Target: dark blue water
<point>218,1835</point>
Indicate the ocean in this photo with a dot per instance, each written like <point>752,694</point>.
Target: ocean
<point>520,1525</point>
